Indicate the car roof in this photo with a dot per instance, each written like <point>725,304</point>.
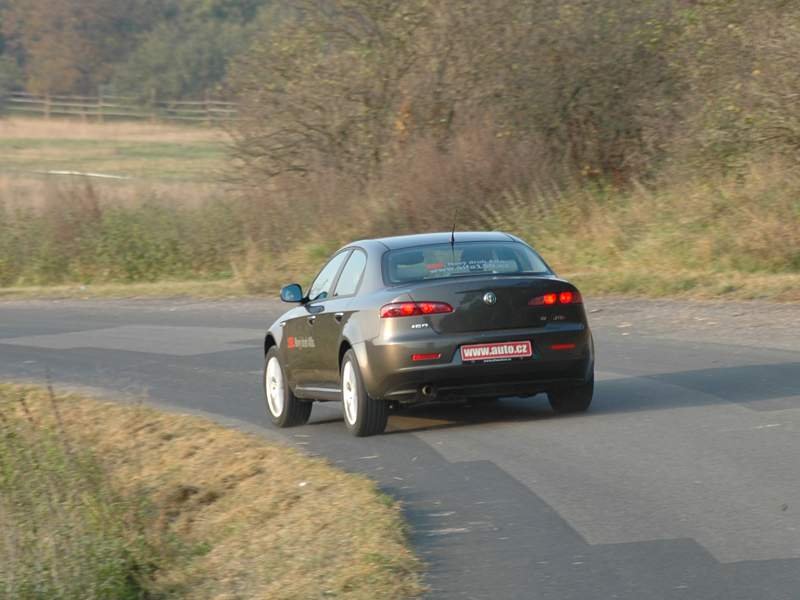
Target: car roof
<point>443,237</point>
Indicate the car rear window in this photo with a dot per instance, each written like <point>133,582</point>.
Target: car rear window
<point>441,261</point>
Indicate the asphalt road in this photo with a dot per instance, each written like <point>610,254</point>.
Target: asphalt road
<point>683,480</point>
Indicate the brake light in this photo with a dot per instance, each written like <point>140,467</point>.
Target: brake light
<point>560,298</point>
<point>412,309</point>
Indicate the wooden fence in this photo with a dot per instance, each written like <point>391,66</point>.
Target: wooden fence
<point>107,107</point>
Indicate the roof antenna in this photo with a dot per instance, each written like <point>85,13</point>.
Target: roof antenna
<point>453,236</point>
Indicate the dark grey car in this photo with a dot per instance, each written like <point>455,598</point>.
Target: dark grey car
<point>401,320</point>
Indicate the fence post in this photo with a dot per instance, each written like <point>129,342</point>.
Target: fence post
<point>153,107</point>
<point>100,106</point>
<point>207,107</point>
<point>47,106</point>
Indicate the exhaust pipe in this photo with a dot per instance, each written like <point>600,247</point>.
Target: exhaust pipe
<point>428,391</point>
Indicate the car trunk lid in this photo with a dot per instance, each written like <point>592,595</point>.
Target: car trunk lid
<point>484,304</point>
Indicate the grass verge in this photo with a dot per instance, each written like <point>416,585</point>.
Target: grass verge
<point>212,290</point>
<point>102,500</point>
<point>692,285</point>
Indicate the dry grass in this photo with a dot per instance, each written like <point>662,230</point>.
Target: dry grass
<point>694,285</point>
<point>729,237</point>
<point>734,235</point>
<point>271,522</point>
<point>35,192</point>
<point>19,128</point>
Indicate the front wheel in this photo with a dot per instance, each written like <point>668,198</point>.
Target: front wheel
<point>363,415</point>
<point>284,408</point>
<point>572,399</point>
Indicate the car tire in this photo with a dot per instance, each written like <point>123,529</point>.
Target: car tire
<point>363,416</point>
<point>283,407</point>
<point>572,399</point>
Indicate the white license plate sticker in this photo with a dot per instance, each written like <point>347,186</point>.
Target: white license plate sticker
<point>496,351</point>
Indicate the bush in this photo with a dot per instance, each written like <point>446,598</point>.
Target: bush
<point>742,222</point>
<point>78,237</point>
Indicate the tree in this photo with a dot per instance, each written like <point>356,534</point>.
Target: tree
<point>70,46</point>
<point>187,53</point>
<point>742,61</point>
<point>11,77</point>
<point>336,84</point>
<point>322,90</point>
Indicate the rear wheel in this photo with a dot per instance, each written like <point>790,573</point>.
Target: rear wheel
<point>284,408</point>
<point>572,399</point>
<point>363,415</point>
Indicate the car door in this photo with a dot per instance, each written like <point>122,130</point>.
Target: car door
<point>311,347</point>
<point>333,315</point>
<point>295,330</point>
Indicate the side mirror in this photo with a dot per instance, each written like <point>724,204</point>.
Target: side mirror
<point>292,293</point>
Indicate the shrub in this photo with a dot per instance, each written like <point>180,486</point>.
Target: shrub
<point>77,237</point>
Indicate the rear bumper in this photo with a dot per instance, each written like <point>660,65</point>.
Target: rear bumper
<point>389,372</point>
<point>430,384</point>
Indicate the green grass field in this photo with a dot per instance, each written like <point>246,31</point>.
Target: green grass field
<point>142,151</point>
<point>152,161</point>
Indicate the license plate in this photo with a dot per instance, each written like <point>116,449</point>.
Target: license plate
<point>496,351</point>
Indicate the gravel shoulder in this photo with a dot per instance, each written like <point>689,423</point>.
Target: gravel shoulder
<point>756,324</point>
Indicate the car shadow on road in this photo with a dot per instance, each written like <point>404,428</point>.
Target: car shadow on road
<point>446,415</point>
<point>766,387</point>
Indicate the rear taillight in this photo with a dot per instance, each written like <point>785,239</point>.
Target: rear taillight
<point>413,309</point>
<point>560,298</point>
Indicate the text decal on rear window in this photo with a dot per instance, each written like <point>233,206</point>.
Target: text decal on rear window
<point>441,261</point>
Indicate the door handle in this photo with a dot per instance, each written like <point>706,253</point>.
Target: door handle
<point>338,316</point>
<point>311,319</point>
